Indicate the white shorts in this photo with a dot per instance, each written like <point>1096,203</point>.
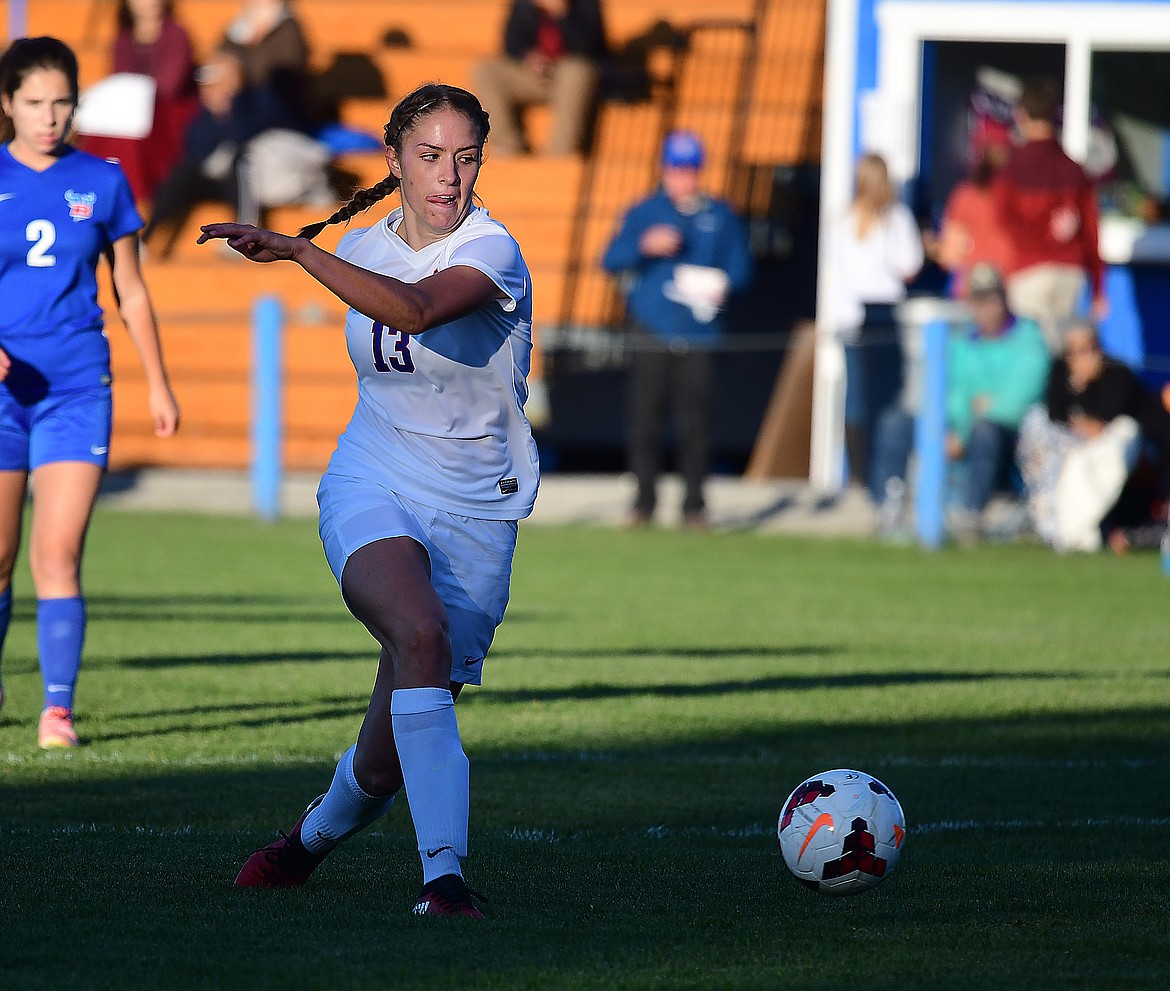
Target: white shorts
<point>471,559</point>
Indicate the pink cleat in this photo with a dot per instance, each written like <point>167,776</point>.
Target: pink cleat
<point>55,730</point>
<point>283,864</point>
<point>448,896</point>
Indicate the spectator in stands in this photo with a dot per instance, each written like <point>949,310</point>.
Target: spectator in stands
<point>877,248</point>
<point>552,55</point>
<point>971,231</point>
<point>1048,207</point>
<point>232,115</point>
<point>683,254</point>
<point>1077,451</point>
<point>996,370</point>
<point>273,51</point>
<point>151,42</point>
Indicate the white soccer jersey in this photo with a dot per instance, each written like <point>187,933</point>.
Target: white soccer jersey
<point>440,415</point>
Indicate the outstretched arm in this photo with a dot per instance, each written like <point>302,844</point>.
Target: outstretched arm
<point>410,307</point>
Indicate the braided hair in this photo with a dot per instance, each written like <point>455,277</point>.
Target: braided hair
<point>412,108</point>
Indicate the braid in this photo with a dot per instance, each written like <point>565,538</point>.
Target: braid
<point>361,200</point>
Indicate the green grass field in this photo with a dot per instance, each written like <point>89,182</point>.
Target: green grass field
<point>651,699</point>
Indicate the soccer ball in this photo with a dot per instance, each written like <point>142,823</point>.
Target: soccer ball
<point>841,832</point>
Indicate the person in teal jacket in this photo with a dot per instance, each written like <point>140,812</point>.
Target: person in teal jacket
<point>997,367</point>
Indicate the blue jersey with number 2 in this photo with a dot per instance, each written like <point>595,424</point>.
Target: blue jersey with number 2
<point>55,226</point>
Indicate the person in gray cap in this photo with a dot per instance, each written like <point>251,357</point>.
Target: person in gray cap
<point>997,368</point>
<point>681,254</point>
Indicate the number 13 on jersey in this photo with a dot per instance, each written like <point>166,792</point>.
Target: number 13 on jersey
<point>399,359</point>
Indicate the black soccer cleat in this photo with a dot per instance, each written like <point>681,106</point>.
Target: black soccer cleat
<point>448,896</point>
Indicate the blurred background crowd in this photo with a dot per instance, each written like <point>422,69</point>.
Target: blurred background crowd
<point>619,133</point>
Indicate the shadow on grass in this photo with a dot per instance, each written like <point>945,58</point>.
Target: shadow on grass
<point>218,609</point>
<point>227,609</point>
<point>159,723</point>
<point>246,660</point>
<point>779,683</point>
<point>310,656</point>
<point>237,716</point>
<point>590,866</point>
<point>590,871</point>
<point>713,651</point>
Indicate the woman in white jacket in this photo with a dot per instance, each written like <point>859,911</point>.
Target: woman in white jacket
<point>877,250</point>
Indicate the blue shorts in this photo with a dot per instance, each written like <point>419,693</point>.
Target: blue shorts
<point>63,426</point>
<point>471,559</point>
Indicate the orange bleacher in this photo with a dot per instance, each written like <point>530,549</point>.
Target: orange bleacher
<point>204,298</point>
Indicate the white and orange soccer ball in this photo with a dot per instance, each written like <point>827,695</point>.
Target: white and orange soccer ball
<point>841,832</point>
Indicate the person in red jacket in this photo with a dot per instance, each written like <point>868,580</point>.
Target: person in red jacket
<point>151,42</point>
<point>1048,208</point>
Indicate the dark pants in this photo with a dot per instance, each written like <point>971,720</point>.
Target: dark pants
<point>986,460</point>
<point>989,456</point>
<point>180,192</point>
<point>873,380</point>
<point>661,378</point>
<point>892,446</point>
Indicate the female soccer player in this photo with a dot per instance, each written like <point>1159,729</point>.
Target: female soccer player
<point>420,501</point>
<point>60,211</point>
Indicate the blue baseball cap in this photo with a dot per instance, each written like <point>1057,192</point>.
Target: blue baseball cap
<point>682,150</point>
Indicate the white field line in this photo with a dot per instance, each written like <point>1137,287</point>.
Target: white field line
<point>946,826</point>
<point>549,836</point>
<point>1026,763</point>
<point>228,761</point>
<point>148,760</point>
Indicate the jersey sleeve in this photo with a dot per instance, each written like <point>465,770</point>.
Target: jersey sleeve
<point>124,216</point>
<point>348,241</point>
<point>498,257</point>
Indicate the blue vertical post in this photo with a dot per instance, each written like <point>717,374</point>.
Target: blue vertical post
<point>930,438</point>
<point>267,406</point>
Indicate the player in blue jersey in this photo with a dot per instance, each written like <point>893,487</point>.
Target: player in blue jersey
<point>61,211</point>
<point>420,502</point>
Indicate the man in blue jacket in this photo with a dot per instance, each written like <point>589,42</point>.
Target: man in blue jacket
<point>682,254</point>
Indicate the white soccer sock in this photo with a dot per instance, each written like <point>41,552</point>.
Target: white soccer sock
<point>346,809</point>
<point>436,773</point>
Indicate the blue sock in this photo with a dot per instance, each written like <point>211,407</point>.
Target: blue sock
<point>60,635</point>
<point>5,615</point>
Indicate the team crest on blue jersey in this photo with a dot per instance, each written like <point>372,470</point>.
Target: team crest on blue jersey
<point>80,204</point>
